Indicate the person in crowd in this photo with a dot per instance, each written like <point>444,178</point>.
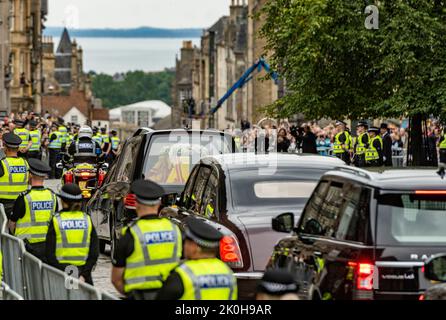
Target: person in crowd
<point>72,241</point>
<point>149,249</point>
<point>432,142</point>
<point>283,143</point>
<point>374,153</point>
<point>14,173</point>
<point>277,284</point>
<point>202,276</point>
<point>54,145</point>
<point>33,210</point>
<point>387,145</point>
<point>309,141</point>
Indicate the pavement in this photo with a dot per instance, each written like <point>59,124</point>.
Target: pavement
<point>102,271</point>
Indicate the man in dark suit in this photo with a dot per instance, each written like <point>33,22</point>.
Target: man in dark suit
<point>309,141</point>
<point>387,145</point>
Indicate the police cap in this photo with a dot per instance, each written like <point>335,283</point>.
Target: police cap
<point>12,140</point>
<point>54,125</point>
<point>70,193</point>
<point>374,129</point>
<point>19,122</point>
<point>103,130</point>
<point>147,192</point>
<point>340,123</point>
<point>33,123</point>
<point>362,124</point>
<point>202,233</point>
<point>277,282</point>
<point>38,167</point>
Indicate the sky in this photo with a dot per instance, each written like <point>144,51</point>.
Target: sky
<point>136,13</point>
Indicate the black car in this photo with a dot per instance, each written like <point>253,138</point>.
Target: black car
<point>365,235</point>
<point>166,157</point>
<point>239,194</point>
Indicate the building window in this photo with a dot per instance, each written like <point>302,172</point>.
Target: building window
<point>143,118</point>
<point>75,119</point>
<point>128,117</point>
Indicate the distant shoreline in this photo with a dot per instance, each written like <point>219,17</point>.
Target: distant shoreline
<point>143,32</point>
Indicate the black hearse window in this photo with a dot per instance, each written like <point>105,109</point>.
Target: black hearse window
<point>187,196</point>
<point>209,206</point>
<point>352,224</point>
<point>331,208</point>
<point>311,214</point>
<point>199,187</point>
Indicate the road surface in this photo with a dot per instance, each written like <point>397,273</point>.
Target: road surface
<point>102,271</point>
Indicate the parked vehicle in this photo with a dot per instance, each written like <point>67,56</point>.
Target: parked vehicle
<point>239,194</point>
<point>165,157</point>
<point>365,235</point>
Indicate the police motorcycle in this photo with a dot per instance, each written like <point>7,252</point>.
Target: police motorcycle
<point>88,176</point>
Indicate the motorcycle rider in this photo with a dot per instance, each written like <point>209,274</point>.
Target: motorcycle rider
<point>85,149</point>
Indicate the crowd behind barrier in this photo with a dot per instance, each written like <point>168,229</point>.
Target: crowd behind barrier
<point>27,278</point>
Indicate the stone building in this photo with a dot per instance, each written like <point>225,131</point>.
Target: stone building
<point>205,74</point>
<point>26,25</point>
<point>5,74</point>
<point>260,93</point>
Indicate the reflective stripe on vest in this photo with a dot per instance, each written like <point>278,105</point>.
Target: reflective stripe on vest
<point>63,131</point>
<point>73,235</point>
<point>55,144</point>
<point>40,206</point>
<point>207,279</point>
<point>157,251</point>
<point>360,146</point>
<point>24,135</point>
<point>115,143</point>
<point>36,139</point>
<point>98,139</point>
<point>15,178</point>
<point>372,153</point>
<point>105,138</point>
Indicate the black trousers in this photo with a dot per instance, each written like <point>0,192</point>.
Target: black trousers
<point>443,155</point>
<point>35,155</point>
<point>37,249</point>
<point>345,156</point>
<point>54,155</point>
<point>142,295</point>
<point>9,206</point>
<point>360,161</point>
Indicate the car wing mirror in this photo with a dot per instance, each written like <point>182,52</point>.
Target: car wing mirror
<point>313,227</point>
<point>105,166</point>
<point>283,223</point>
<point>435,268</point>
<point>118,189</point>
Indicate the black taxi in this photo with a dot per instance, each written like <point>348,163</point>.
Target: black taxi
<point>365,236</point>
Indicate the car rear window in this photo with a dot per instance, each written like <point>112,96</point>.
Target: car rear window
<point>171,157</point>
<point>410,219</point>
<point>286,187</point>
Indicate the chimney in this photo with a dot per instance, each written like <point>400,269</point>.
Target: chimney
<point>187,44</point>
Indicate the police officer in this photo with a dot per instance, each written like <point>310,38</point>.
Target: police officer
<point>442,146</point>
<point>341,148</point>
<point>97,136</point>
<point>14,173</point>
<point>72,240</point>
<point>202,276</point>
<point>33,210</point>
<point>106,145</point>
<point>36,141</point>
<point>277,284</point>
<point>23,133</point>
<point>361,144</point>
<point>63,134</point>
<point>85,149</point>
<point>149,248</point>
<point>115,142</point>
<point>54,148</point>
<point>374,153</point>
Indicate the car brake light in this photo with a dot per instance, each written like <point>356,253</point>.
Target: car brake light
<point>101,179</point>
<point>230,252</point>
<point>430,192</point>
<point>422,297</point>
<point>364,276</point>
<point>130,201</point>
<point>68,177</point>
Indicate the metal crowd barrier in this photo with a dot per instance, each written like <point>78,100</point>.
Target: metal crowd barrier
<point>398,156</point>
<point>7,294</point>
<point>27,277</point>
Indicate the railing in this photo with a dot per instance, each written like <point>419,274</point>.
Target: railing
<point>26,277</point>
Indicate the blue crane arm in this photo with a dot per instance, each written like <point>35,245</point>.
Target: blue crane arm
<point>245,78</point>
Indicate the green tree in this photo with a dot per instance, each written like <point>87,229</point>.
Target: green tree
<point>335,67</point>
<point>135,87</point>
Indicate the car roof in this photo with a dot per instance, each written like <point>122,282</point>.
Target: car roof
<point>393,179</point>
<point>251,160</point>
<point>179,130</point>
